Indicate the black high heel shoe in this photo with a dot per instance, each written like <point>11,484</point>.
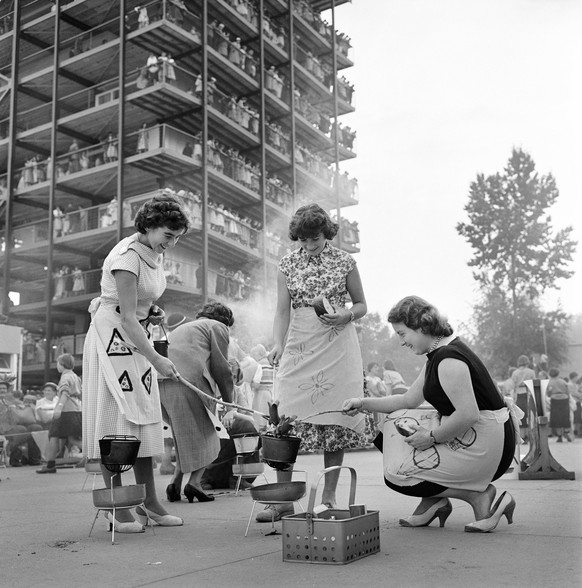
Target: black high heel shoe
<point>190,493</point>
<point>172,493</point>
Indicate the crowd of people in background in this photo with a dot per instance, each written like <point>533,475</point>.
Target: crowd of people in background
<point>563,396</point>
<point>68,281</point>
<point>43,424</point>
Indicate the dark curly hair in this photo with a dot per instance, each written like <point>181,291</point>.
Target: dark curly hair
<point>309,221</point>
<point>419,315</point>
<point>217,311</point>
<point>163,210</point>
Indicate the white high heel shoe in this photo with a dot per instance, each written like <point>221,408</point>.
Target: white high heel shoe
<point>133,527</point>
<point>166,520</point>
<point>505,505</point>
<point>441,509</point>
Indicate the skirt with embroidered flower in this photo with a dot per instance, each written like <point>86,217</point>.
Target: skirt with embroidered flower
<point>320,368</point>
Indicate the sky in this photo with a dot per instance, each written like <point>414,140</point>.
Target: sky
<point>444,90</point>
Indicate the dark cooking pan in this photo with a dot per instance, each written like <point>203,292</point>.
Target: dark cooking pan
<point>279,492</point>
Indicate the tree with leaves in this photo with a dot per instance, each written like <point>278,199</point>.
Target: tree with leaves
<point>517,253</point>
<point>500,342</point>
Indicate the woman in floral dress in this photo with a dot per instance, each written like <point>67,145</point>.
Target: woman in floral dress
<point>320,363</point>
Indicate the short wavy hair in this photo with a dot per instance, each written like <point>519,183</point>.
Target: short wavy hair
<point>163,210</point>
<point>419,315</point>
<point>218,312</point>
<point>66,360</point>
<point>309,221</point>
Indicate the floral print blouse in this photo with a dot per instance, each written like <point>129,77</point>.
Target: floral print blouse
<point>318,275</point>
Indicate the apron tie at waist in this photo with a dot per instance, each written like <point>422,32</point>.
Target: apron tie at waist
<point>515,413</point>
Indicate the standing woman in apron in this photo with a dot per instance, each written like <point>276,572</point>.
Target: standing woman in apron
<point>320,363</point>
<point>120,365</point>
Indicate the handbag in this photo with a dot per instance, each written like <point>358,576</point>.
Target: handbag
<point>22,415</point>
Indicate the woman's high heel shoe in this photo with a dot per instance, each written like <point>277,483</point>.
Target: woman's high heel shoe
<point>441,509</point>
<point>166,520</point>
<point>172,493</point>
<point>505,505</point>
<point>190,492</point>
<point>132,527</point>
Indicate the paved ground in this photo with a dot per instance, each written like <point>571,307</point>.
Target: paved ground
<point>45,520</point>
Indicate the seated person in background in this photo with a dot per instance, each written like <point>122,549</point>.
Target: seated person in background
<point>17,421</point>
<point>45,406</point>
<point>393,380</point>
<point>375,383</point>
<point>376,389</point>
<point>263,393</point>
<point>219,473</point>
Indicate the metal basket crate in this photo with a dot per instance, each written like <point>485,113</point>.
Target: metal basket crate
<point>308,539</point>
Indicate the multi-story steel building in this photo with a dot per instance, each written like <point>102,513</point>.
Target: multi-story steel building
<point>234,104</point>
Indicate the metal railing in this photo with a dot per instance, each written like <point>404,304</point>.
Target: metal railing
<point>230,163</point>
<point>233,51</point>
<point>71,47</point>
<point>320,70</point>
<point>6,22</point>
<point>163,69</point>
<point>274,33</point>
<point>275,83</point>
<point>245,10</point>
<point>348,187</point>
<point>33,353</point>
<point>227,223</point>
<point>67,282</point>
<point>313,164</point>
<point>345,90</point>
<point>172,11</point>
<point>237,110</point>
<point>279,193</point>
<point>304,10</point>
<point>278,138</point>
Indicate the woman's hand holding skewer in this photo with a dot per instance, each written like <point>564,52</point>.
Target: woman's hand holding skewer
<point>353,406</point>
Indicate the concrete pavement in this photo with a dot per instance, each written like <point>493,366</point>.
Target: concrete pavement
<point>45,520</point>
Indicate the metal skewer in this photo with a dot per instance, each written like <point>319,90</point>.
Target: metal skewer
<point>218,400</point>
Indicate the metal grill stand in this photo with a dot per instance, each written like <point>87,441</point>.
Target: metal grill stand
<point>118,454</point>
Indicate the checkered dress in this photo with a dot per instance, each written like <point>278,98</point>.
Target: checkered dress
<point>120,389</point>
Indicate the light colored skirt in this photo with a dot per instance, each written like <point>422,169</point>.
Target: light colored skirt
<point>120,389</point>
<point>468,462</point>
<point>320,368</point>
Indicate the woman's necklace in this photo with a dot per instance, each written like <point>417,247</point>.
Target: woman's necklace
<point>435,344</point>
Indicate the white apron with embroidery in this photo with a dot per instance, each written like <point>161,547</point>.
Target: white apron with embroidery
<point>131,379</point>
<point>467,462</point>
<point>320,368</point>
